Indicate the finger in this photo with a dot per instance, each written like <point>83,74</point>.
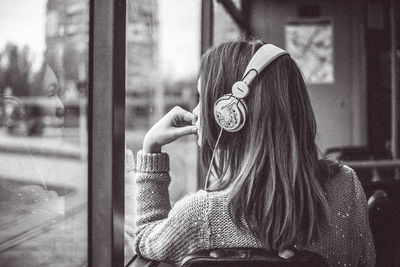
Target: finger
<point>188,117</point>
<point>184,115</point>
<point>182,131</point>
<point>180,115</point>
<point>286,254</point>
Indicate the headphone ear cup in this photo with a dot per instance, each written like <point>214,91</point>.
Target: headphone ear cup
<point>230,113</point>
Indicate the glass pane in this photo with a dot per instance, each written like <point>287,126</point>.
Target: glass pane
<point>43,132</point>
<point>163,55</point>
<point>225,29</point>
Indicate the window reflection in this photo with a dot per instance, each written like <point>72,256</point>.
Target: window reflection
<point>43,133</point>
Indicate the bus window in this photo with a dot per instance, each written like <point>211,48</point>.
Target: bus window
<point>43,133</point>
<point>162,61</point>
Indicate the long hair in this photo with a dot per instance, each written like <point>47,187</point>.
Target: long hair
<point>271,166</point>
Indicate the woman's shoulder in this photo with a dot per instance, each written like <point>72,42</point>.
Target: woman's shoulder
<point>344,184</point>
<point>344,174</point>
<point>332,171</point>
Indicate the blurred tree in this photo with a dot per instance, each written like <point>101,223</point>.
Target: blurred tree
<point>36,88</point>
<point>16,69</point>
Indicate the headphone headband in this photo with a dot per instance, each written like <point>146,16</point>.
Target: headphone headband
<point>260,60</point>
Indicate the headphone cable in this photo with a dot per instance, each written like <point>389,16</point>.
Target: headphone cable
<point>212,159</point>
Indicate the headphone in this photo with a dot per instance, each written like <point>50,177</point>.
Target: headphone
<point>230,111</point>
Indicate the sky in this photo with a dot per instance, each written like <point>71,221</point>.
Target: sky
<point>23,22</point>
<point>179,37</point>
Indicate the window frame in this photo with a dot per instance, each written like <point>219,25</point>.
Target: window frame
<point>106,157</point>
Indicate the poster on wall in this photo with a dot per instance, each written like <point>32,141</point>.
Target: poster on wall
<point>310,44</point>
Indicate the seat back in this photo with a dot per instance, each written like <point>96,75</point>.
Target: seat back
<point>384,219</point>
<point>251,257</point>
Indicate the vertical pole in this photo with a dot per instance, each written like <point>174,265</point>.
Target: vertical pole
<point>106,132</point>
<point>394,83</point>
<point>207,25</point>
<point>207,36</point>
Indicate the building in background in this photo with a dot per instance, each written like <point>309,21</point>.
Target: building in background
<point>67,33</point>
<point>67,36</point>
<point>143,85</point>
<point>141,47</point>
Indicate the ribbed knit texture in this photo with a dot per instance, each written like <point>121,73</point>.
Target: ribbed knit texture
<point>201,220</point>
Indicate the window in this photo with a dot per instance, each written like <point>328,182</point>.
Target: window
<point>43,133</point>
<point>162,62</point>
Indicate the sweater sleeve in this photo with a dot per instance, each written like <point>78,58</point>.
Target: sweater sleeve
<point>162,233</point>
<point>367,257</point>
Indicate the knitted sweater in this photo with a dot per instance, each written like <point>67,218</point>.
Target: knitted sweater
<point>200,221</point>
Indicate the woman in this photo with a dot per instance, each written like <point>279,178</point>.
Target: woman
<point>270,189</point>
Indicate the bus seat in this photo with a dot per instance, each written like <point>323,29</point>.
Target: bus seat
<point>384,219</point>
<point>251,257</point>
<point>235,257</point>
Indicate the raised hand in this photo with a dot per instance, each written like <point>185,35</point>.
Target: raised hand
<point>176,123</point>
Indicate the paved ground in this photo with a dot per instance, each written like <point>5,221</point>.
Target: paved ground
<point>43,196</point>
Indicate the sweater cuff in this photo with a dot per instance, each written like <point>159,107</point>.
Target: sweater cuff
<point>152,162</point>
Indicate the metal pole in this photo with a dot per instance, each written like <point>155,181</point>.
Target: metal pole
<point>106,126</point>
<point>207,36</point>
<point>394,87</point>
<point>207,24</point>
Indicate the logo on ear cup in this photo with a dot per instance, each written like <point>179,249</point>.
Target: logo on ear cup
<point>229,113</point>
